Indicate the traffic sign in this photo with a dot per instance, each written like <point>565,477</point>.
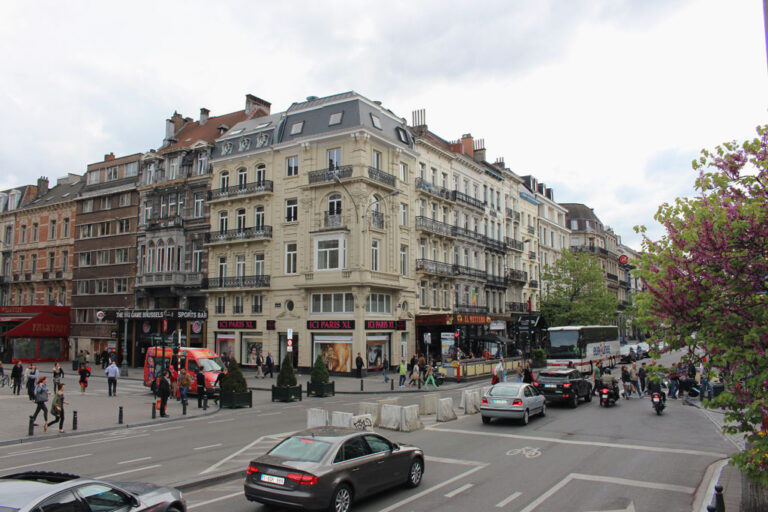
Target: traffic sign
<point>290,343</point>
<point>623,259</point>
<point>100,315</point>
<point>290,334</point>
<point>290,348</point>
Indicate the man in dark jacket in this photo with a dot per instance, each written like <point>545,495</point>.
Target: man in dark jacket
<point>200,379</point>
<point>359,365</point>
<point>163,391</point>
<point>270,364</point>
<point>16,375</point>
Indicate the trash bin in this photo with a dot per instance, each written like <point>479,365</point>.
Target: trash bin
<point>74,365</point>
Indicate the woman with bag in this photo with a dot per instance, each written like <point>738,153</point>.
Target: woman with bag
<point>57,409</point>
<point>85,372</point>
<point>41,397</point>
<point>58,377</point>
<point>31,374</point>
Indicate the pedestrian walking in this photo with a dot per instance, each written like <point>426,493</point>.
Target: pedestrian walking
<point>415,376</point>
<point>422,362</point>
<point>403,372</point>
<point>41,397</point>
<point>674,381</point>
<point>634,379</point>
<point>706,385</point>
<point>112,372</point>
<point>519,373</point>
<point>58,377</point>
<point>164,391</point>
<point>185,381</point>
<point>31,374</point>
<point>81,359</point>
<point>175,383</point>
<point>642,375</point>
<point>84,372</point>
<point>597,376</point>
<point>17,374</point>
<point>626,382</point>
<point>259,364</point>
<point>385,369</point>
<point>430,378</point>
<point>270,364</point>
<point>104,358</point>
<point>528,372</point>
<point>57,409</point>
<point>359,365</point>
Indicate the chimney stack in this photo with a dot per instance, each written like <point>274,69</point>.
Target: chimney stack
<point>479,150</point>
<point>204,115</point>
<point>109,157</point>
<point>419,117</point>
<point>42,186</point>
<point>256,106</point>
<point>468,145</point>
<point>500,163</point>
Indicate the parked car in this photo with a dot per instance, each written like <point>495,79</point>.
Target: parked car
<point>515,400</point>
<point>627,354</point>
<point>563,385</point>
<point>331,467</point>
<point>35,491</point>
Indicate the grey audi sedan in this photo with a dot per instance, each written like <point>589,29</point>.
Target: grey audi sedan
<point>328,468</point>
<point>44,491</point>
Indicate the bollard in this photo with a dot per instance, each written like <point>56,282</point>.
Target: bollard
<point>31,426</point>
<point>120,415</point>
<point>205,402</point>
<point>361,384</point>
<point>74,420</point>
<point>184,408</point>
<point>200,400</point>
<point>719,499</point>
<point>391,384</point>
<point>419,382</point>
<point>154,410</point>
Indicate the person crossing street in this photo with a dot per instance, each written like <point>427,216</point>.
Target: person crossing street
<point>112,372</point>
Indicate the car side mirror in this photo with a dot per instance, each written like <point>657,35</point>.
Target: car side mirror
<point>395,447</point>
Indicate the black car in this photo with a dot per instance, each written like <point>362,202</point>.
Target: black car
<point>35,491</point>
<point>564,385</point>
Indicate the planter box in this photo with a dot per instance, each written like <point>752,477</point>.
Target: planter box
<point>286,393</point>
<point>234,400</point>
<point>322,389</point>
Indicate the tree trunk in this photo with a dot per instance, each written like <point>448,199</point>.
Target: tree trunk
<point>754,495</point>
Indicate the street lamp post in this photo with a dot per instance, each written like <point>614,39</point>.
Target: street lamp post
<point>124,362</point>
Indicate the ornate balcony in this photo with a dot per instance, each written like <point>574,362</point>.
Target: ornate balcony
<point>331,220</point>
<point>517,275</point>
<point>533,284</point>
<point>422,184</point>
<point>531,230</point>
<point>494,245</point>
<point>255,281</point>
<point>434,226</point>
<point>435,267</point>
<point>468,235</point>
<point>381,176</point>
<point>377,220</point>
<point>326,175</point>
<point>517,307</point>
<point>513,244</point>
<point>471,201</point>
<point>470,310</point>
<point>172,221</point>
<point>470,272</point>
<point>513,214</point>
<point>192,279</point>
<point>531,255</point>
<point>252,233</point>
<point>256,187</point>
<point>611,277</point>
<point>496,281</point>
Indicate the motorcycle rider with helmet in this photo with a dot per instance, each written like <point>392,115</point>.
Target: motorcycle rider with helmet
<point>610,382</point>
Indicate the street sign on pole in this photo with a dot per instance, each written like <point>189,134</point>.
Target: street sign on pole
<point>290,348</point>
<point>290,343</point>
<point>290,334</point>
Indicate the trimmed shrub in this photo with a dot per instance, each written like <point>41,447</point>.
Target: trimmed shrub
<point>286,377</point>
<point>319,372</point>
<point>234,380</point>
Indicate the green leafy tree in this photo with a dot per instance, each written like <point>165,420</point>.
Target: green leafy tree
<point>574,292</point>
<point>234,380</point>
<point>707,279</point>
<point>319,372</point>
<point>286,377</point>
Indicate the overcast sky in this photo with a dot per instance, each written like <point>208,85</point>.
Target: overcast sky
<point>607,102</point>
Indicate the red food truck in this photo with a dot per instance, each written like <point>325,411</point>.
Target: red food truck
<point>193,359</point>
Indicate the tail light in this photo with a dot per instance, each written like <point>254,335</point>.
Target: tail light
<point>536,383</point>
<point>251,469</point>
<point>605,390</point>
<point>567,385</point>
<point>484,401</point>
<point>517,401</point>
<point>302,478</point>
<point>656,395</point>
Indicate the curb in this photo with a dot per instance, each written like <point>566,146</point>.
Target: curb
<point>706,489</point>
<point>393,392</point>
<point>189,485</point>
<point>77,433</point>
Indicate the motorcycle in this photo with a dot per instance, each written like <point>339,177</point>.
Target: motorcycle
<point>658,403</point>
<point>607,397</point>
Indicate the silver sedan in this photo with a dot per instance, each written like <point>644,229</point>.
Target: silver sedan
<point>515,400</point>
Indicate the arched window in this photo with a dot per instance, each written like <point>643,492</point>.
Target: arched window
<point>223,221</point>
<point>334,204</point>
<point>160,256</point>
<point>225,180</point>
<point>242,178</point>
<point>150,267</point>
<point>261,174</point>
<point>241,220</point>
<point>377,219</point>
<point>171,259</point>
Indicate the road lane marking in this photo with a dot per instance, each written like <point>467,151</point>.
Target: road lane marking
<point>209,446</point>
<point>429,490</point>
<point>111,475</point>
<point>604,479</point>
<point>214,500</point>
<point>134,460</point>
<point>230,457</point>
<point>32,450</point>
<point>48,461</point>
<point>222,421</point>
<point>445,460</point>
<point>167,428</point>
<point>459,490</point>
<point>506,501</point>
<point>89,443</point>
<point>271,413</point>
<point>582,443</point>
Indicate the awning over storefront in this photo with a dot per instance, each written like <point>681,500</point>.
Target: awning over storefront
<point>44,325</point>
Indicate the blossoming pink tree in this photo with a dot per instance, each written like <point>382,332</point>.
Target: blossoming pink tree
<point>707,279</point>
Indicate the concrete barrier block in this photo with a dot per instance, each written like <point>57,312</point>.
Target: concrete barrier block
<point>428,404</point>
<point>390,416</point>
<point>478,398</point>
<point>445,410</point>
<point>341,419</point>
<point>367,408</point>
<point>484,390</point>
<point>468,399</point>
<point>379,404</point>
<point>363,422</point>
<point>317,418</point>
<point>409,418</point>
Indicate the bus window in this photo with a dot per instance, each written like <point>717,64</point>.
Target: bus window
<point>564,344</point>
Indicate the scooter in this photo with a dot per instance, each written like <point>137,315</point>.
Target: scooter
<point>607,397</point>
<point>658,403</point>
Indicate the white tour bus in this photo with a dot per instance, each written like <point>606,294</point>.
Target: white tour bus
<point>580,346</point>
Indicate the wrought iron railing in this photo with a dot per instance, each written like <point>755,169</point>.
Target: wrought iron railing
<point>517,275</point>
<point>255,281</point>
<point>471,201</point>
<point>377,220</point>
<point>513,214</point>
<point>434,225</point>
<point>241,190</point>
<point>517,307</point>
<point>461,270</point>
<point>252,233</point>
<point>330,174</point>
<point>422,184</point>
<point>470,310</point>
<point>533,284</point>
<point>517,245</point>
<point>331,220</point>
<point>435,267</point>
<point>381,176</point>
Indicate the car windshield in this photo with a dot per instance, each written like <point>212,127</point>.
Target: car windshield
<point>300,448</point>
<point>212,364</point>
<point>564,343</point>
<point>552,377</point>
<point>506,390</point>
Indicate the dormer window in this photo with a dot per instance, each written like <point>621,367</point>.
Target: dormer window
<point>335,118</point>
<point>226,148</point>
<point>376,121</point>
<point>245,144</point>
<point>297,128</point>
<point>402,135</point>
<point>93,177</point>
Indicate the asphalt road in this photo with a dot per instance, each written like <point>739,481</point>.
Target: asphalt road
<point>582,460</point>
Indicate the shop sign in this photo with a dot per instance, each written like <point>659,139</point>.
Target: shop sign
<point>385,325</point>
<point>318,325</point>
<point>498,325</point>
<point>236,324</point>
<point>270,325</point>
<point>197,326</point>
<point>157,314</point>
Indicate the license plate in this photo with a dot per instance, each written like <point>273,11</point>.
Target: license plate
<point>655,400</point>
<point>605,395</point>
<point>273,479</point>
<point>499,401</point>
<point>558,391</point>
<point>549,385</point>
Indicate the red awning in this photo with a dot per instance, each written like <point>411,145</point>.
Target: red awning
<point>44,325</point>
<point>15,318</point>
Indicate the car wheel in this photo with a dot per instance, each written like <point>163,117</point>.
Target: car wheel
<point>588,397</point>
<point>173,509</point>
<point>341,501</point>
<point>486,419</point>
<point>415,473</point>
<point>543,410</point>
<point>524,421</point>
<point>574,401</point>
